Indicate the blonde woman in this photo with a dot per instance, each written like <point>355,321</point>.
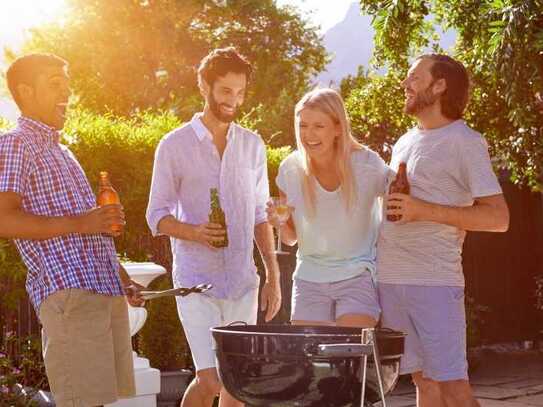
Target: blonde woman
<point>333,186</point>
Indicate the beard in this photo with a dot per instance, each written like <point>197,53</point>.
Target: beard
<point>215,108</point>
<point>421,100</point>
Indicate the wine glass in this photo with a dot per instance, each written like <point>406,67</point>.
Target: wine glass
<point>281,211</point>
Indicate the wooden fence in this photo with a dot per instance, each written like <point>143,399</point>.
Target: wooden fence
<point>500,271</point>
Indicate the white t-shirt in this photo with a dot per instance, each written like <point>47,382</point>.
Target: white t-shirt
<point>447,166</point>
<point>335,244</point>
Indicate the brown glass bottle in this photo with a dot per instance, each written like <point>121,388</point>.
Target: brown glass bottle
<point>399,185</point>
<point>108,196</point>
<point>216,215</point>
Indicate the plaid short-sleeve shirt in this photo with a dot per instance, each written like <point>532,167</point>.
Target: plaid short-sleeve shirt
<point>51,183</point>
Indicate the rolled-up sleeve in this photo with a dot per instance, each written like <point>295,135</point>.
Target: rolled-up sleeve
<point>162,197</point>
<point>262,186</point>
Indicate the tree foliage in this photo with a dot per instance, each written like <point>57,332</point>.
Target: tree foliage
<point>129,55</point>
<point>501,43</point>
<point>376,110</point>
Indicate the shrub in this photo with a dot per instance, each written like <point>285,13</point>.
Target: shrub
<point>162,339</point>
<point>5,124</point>
<point>275,156</point>
<point>475,319</point>
<point>125,148</point>
<point>21,366</point>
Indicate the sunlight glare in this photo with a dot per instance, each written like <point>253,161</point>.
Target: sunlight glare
<point>23,14</point>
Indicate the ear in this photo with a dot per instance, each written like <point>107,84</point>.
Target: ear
<point>440,86</point>
<point>204,88</point>
<point>24,92</point>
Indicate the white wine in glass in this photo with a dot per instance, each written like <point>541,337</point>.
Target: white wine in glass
<point>282,213</point>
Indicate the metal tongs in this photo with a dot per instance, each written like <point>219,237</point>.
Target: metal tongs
<point>181,291</point>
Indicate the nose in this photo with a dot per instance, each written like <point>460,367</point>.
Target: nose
<point>237,100</point>
<point>230,100</point>
<point>307,132</point>
<point>403,83</point>
<point>67,91</point>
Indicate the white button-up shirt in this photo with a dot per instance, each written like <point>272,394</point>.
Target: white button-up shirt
<point>187,164</point>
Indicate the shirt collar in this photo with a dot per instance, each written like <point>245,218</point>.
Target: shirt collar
<point>42,132</point>
<point>202,131</point>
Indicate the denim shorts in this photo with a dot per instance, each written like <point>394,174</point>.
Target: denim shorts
<point>313,301</point>
<point>434,320</point>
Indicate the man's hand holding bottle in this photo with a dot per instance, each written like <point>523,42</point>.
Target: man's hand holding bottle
<point>209,234</point>
<point>108,219</point>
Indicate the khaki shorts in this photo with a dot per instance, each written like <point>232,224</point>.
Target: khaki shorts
<point>87,348</point>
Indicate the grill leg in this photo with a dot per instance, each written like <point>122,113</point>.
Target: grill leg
<point>369,338</point>
<point>363,391</point>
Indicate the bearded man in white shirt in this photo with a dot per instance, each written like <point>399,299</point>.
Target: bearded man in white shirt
<point>211,151</point>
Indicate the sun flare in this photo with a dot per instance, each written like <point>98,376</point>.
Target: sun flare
<point>23,14</point>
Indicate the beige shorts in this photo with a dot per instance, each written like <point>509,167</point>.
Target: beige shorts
<point>87,348</point>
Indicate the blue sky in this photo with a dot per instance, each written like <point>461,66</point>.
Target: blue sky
<point>325,13</point>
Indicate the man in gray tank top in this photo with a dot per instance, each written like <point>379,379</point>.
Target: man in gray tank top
<point>419,257</point>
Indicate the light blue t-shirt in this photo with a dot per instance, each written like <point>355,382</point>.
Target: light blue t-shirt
<point>335,244</point>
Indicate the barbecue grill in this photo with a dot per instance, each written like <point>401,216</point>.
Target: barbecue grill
<point>307,366</point>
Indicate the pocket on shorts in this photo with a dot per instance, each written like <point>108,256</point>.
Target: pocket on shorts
<point>57,303</point>
<point>456,308</point>
<point>456,294</point>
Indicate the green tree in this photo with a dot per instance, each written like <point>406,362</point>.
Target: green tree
<point>131,55</point>
<point>501,43</point>
<point>376,111</point>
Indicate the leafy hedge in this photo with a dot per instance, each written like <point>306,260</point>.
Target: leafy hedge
<point>125,148</point>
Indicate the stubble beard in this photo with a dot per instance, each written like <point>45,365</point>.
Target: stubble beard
<point>219,115</point>
<point>421,100</point>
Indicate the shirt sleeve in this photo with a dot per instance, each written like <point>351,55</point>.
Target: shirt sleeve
<point>14,165</point>
<point>476,168</point>
<point>384,175</point>
<point>288,179</point>
<point>162,197</point>
<point>262,186</point>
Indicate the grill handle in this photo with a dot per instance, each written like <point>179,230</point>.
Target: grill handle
<point>343,350</point>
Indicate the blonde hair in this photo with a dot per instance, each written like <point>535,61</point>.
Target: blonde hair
<point>329,102</point>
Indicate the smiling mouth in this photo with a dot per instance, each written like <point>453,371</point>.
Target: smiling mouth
<point>312,144</point>
<point>228,109</point>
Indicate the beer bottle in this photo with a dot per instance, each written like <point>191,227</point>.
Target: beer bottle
<point>108,196</point>
<point>399,185</point>
<point>216,215</point>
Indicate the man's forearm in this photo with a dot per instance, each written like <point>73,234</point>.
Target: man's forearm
<point>17,224</point>
<point>265,244</point>
<point>480,217</point>
<point>170,226</point>
<point>123,274</point>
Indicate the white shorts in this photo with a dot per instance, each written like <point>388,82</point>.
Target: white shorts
<point>200,312</point>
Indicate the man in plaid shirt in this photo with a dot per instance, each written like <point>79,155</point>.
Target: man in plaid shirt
<point>47,206</point>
